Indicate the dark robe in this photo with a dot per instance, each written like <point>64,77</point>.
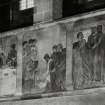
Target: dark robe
<point>90,54</point>
<point>98,56</point>
<point>52,70</point>
<point>61,71</point>
<point>102,57</point>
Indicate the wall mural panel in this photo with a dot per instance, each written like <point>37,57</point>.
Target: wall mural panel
<point>88,53</point>
<point>44,61</point>
<point>57,58</point>
<point>8,65</point>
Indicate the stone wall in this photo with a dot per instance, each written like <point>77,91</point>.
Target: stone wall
<point>49,34</point>
<point>46,10</point>
<point>43,10</point>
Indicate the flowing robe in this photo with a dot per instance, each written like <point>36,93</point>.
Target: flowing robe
<point>80,68</point>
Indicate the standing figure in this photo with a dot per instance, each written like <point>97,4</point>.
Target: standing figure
<point>47,75</point>
<point>103,59</point>
<point>60,68</point>
<point>98,53</point>
<point>91,52</point>
<point>25,78</point>
<point>79,72</point>
<point>52,68</point>
<point>34,60</point>
<point>101,54</point>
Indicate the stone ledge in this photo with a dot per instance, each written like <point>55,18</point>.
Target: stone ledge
<point>95,91</point>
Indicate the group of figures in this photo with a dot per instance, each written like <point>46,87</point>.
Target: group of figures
<point>89,59</point>
<point>56,69</point>
<point>55,75</point>
<point>30,63</point>
<point>10,59</point>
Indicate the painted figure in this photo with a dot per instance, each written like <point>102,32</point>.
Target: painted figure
<point>91,52</point>
<point>98,53</point>
<point>60,68</point>
<point>52,68</point>
<point>80,73</point>
<point>89,59</point>
<point>30,63</point>
<point>47,75</point>
<point>34,59</point>
<point>26,49</point>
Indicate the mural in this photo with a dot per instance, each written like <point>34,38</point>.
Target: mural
<point>88,58</point>
<point>8,65</point>
<point>44,62</point>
